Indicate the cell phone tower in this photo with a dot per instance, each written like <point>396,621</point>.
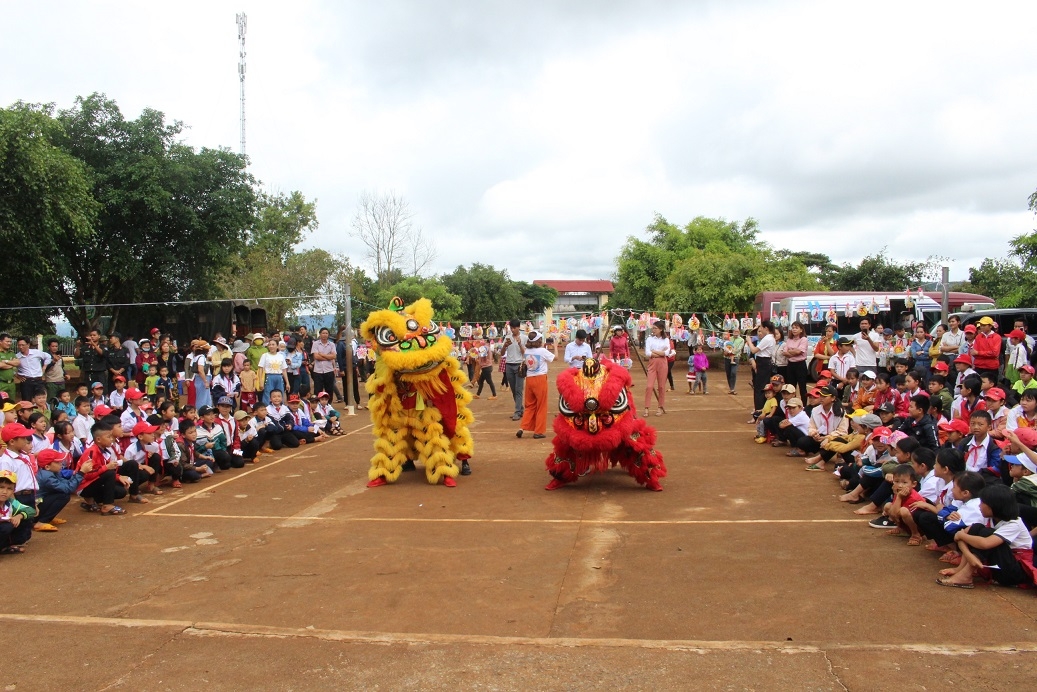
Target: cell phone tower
<point>242,22</point>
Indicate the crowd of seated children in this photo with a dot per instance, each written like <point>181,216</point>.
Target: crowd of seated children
<point>947,464</point>
<point>96,449</point>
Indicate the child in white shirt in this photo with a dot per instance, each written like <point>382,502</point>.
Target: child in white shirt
<point>998,548</point>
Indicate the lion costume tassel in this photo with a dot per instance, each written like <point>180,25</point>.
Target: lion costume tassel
<point>419,406</point>
<point>597,427</point>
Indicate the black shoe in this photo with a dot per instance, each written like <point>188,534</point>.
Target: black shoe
<point>518,434</point>
<point>538,436</point>
<point>466,470</point>
<point>882,523</point>
<point>408,465</point>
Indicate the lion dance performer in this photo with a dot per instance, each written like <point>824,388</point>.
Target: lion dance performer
<point>597,427</point>
<point>418,403</point>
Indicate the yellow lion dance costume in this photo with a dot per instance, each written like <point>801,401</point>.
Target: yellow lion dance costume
<point>419,406</point>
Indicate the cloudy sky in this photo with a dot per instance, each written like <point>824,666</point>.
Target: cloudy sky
<point>538,135</point>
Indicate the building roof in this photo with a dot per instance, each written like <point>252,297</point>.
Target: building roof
<point>595,286</point>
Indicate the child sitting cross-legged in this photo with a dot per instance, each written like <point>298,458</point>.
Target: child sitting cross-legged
<point>1002,552</point>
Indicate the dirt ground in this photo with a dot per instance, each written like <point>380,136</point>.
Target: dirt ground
<point>745,573</point>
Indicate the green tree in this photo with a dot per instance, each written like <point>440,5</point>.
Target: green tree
<point>45,197</point>
<point>447,305</point>
<point>879,272</point>
<point>538,298</point>
<point>1001,279</point>
<point>487,294</point>
<point>712,265</point>
<point>720,282</point>
<point>171,219</point>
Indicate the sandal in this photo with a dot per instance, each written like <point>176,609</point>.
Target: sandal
<point>895,532</point>
<point>914,540</point>
<point>12,549</point>
<point>814,467</point>
<point>947,582</point>
<point>89,507</point>
<point>138,500</point>
<point>177,484</point>
<point>152,490</point>
<point>795,453</point>
<point>116,509</point>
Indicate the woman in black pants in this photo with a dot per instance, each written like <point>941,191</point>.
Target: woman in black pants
<point>763,355</point>
<point>797,348</point>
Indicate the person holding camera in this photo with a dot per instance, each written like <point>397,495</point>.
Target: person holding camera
<point>93,359</point>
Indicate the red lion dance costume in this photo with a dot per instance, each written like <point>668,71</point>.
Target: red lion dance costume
<point>597,428</point>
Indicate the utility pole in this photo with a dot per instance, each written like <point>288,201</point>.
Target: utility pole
<point>347,385</point>
<point>946,299</point>
<point>242,21</point>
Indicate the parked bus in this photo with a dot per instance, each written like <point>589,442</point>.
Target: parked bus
<point>816,309</point>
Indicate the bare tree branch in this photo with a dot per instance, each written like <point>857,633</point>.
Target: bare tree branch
<point>423,252</point>
<point>383,224</point>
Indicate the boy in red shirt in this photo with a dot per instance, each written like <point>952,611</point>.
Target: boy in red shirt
<point>904,496</point>
<point>101,484</point>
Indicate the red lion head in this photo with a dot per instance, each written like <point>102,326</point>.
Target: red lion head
<point>595,409</point>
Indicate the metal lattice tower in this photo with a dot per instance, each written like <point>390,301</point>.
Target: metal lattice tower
<point>242,21</point>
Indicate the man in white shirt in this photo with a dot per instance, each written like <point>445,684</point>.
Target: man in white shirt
<point>578,351</point>
<point>31,362</point>
<point>866,344</point>
<point>514,345</point>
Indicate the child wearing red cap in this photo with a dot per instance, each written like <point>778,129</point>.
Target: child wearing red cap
<point>952,432</point>
<point>117,399</point>
<point>1016,355</point>
<point>17,459</point>
<point>325,413</point>
<point>146,454</point>
<point>1025,380</point>
<point>304,429</point>
<point>994,398</point>
<point>15,517</point>
<point>56,487</point>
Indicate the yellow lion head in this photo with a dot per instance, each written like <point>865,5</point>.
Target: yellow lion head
<point>407,338</point>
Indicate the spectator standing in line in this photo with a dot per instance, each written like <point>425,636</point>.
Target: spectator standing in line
<point>514,355</point>
<point>54,376</point>
<point>986,349</point>
<point>117,360</point>
<point>325,368</point>
<point>31,362</point>
<point>733,349</point>
<point>657,350</point>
